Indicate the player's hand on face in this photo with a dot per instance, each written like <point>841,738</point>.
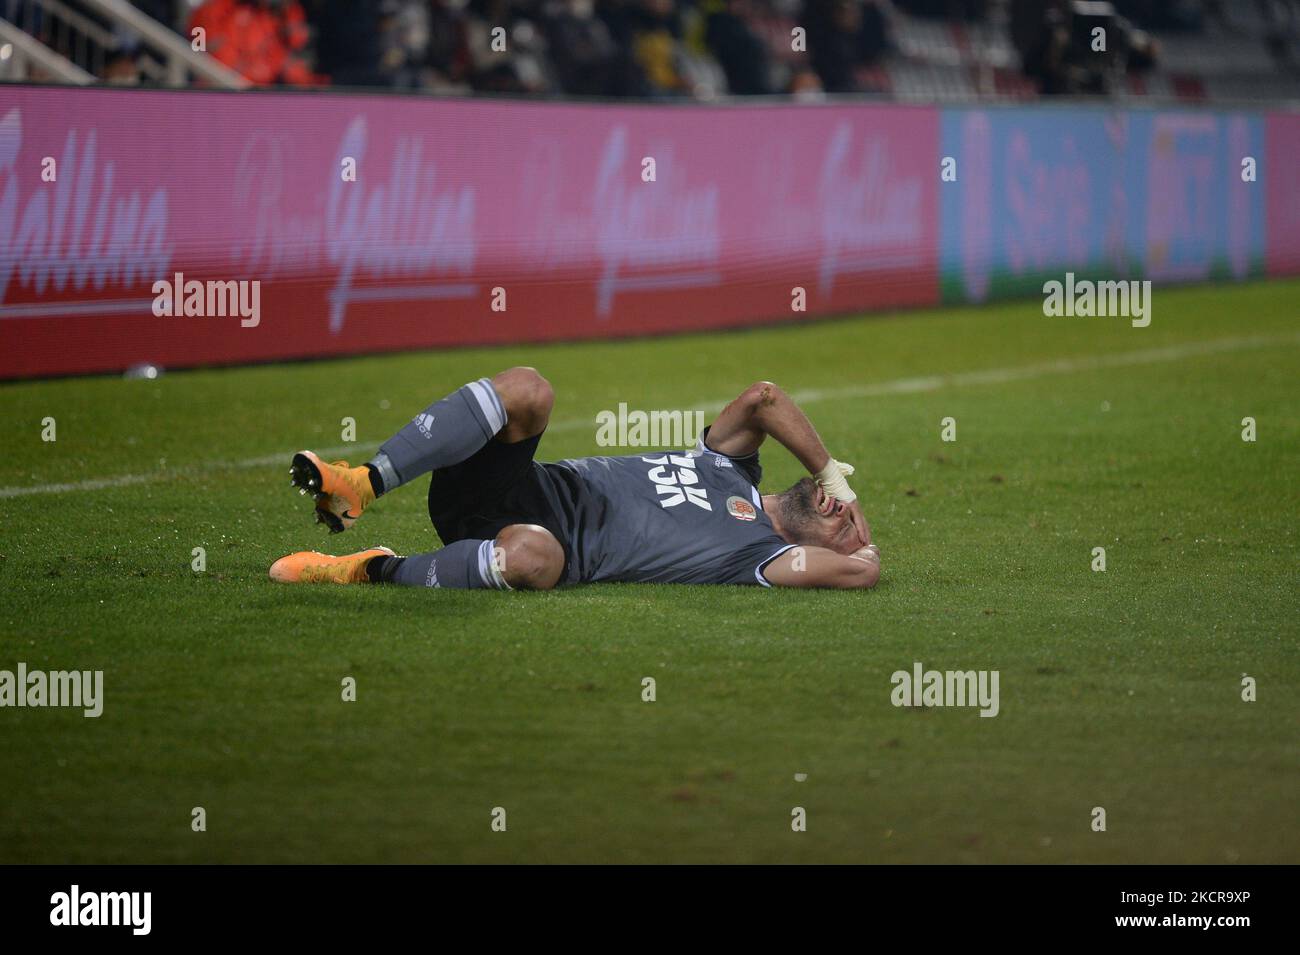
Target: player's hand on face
<point>828,506</point>
<point>859,522</point>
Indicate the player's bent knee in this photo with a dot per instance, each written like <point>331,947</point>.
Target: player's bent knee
<point>527,397</point>
<point>524,388</point>
<point>530,557</point>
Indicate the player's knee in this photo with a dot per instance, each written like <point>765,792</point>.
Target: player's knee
<point>526,395</point>
<point>530,557</point>
<point>524,388</point>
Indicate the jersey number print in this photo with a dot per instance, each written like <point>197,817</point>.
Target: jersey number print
<point>676,486</point>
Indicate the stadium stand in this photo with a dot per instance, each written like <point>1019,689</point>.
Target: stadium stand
<point>949,51</point>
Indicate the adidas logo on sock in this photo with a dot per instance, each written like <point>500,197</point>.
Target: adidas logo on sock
<point>425,423</point>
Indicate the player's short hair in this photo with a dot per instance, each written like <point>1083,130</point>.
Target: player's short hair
<point>798,506</point>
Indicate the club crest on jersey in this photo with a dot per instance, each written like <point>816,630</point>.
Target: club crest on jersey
<point>741,509</point>
<point>679,485</point>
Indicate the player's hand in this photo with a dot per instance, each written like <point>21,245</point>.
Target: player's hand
<point>860,524</point>
<point>824,503</point>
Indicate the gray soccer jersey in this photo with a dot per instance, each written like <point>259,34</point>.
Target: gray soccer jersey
<point>691,517</point>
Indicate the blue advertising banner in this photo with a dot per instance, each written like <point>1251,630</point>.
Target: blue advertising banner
<point>1170,196</point>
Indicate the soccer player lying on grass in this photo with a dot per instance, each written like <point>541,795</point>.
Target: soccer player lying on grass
<point>510,522</point>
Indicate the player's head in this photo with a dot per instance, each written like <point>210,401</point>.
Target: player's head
<point>803,521</point>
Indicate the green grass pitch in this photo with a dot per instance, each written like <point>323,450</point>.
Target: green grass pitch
<point>1120,689</point>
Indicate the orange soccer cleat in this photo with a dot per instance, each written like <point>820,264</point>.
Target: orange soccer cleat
<point>342,493</point>
<point>312,567</point>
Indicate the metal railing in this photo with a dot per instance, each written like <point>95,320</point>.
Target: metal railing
<point>115,28</point>
<point>23,58</point>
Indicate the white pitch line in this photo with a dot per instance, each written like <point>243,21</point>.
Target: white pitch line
<point>897,386</point>
<point>166,474</point>
<point>1061,366</point>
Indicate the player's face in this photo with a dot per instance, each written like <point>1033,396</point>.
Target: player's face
<point>819,520</point>
<point>836,525</point>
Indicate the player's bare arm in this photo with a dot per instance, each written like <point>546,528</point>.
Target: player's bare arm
<point>819,567</point>
<point>839,557</point>
<point>764,408</point>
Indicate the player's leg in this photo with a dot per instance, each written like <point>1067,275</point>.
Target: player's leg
<point>511,407</point>
<point>528,399</point>
<point>520,557</point>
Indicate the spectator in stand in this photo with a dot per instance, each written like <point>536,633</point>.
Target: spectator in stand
<point>620,19</point>
<point>655,50</point>
<point>741,52</point>
<point>874,40</point>
<point>349,47</point>
<point>844,36</point>
<point>515,61</point>
<point>420,44</point>
<point>121,70</point>
<point>261,39</point>
<point>585,55</point>
<point>1041,37</point>
<point>1054,41</point>
<point>405,39</point>
<point>806,87</point>
<point>446,63</point>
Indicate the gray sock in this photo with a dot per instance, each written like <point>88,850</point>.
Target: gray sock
<point>464,565</point>
<point>445,433</point>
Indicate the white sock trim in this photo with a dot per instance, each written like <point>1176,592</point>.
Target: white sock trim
<point>489,403</point>
<point>488,569</point>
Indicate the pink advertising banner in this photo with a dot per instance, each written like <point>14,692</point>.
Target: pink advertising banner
<point>1282,172</point>
<point>374,223</point>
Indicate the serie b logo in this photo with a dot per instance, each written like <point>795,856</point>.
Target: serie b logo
<point>741,509</point>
